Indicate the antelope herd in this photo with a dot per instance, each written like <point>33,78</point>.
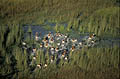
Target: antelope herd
<point>58,46</point>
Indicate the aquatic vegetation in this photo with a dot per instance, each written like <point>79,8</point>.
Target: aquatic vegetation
<point>103,22</point>
<point>27,58</point>
<point>20,57</point>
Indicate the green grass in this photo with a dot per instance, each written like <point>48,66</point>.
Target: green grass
<point>103,22</point>
<point>96,63</point>
<point>93,62</point>
<point>29,12</point>
<point>98,16</point>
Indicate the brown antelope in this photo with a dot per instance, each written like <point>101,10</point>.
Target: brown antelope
<point>73,47</point>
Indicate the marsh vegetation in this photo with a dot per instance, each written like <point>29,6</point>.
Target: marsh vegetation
<point>76,18</point>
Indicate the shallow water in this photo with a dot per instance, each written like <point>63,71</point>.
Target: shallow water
<point>107,42</point>
<point>38,29</point>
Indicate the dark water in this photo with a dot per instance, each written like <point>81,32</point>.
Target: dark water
<point>38,29</point>
<point>107,42</point>
<point>52,24</point>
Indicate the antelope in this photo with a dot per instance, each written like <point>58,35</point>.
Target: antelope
<point>45,65</point>
<point>73,47</point>
<point>56,49</point>
<point>39,66</point>
<point>34,58</point>
<point>51,40</point>
<point>63,55</point>
<point>36,36</point>
<point>52,50</point>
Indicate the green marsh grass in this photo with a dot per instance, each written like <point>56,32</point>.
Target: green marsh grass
<point>98,16</point>
<point>103,22</point>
